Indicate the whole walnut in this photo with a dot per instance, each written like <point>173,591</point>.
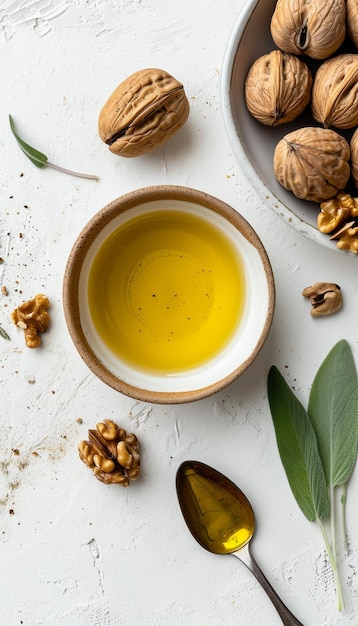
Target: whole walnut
<point>354,157</point>
<point>335,92</point>
<point>143,113</point>
<point>352,20</point>
<point>313,163</point>
<point>277,88</point>
<point>315,28</point>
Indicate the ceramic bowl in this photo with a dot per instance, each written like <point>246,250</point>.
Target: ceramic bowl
<point>248,335</point>
<point>254,143</point>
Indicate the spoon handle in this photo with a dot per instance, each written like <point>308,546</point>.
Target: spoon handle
<point>244,555</point>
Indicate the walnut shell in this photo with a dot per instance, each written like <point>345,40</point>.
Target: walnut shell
<point>143,112</point>
<point>352,20</point>
<point>312,163</point>
<point>335,92</point>
<point>315,28</point>
<point>354,157</point>
<point>277,88</point>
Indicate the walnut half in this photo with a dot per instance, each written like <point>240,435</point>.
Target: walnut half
<point>339,217</point>
<point>326,298</point>
<point>111,454</point>
<point>33,317</point>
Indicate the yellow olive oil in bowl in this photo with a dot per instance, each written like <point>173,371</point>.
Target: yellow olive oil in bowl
<point>166,291</point>
<point>168,294</point>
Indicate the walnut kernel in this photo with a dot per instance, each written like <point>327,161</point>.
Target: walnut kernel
<point>348,238</point>
<point>32,316</point>
<point>339,218</point>
<point>111,453</point>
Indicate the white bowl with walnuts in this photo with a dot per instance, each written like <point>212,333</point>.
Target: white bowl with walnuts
<point>290,105</point>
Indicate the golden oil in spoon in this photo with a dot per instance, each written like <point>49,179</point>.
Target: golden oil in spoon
<point>220,517</point>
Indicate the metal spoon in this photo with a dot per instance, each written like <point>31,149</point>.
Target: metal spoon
<point>221,519</point>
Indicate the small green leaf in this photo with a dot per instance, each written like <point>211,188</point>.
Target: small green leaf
<point>4,334</point>
<point>36,157</point>
<point>39,159</point>
<point>333,410</point>
<point>297,445</point>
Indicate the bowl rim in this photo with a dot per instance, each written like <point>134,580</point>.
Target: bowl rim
<point>287,214</point>
<point>72,273</point>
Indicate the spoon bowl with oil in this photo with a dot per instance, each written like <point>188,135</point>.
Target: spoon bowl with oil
<point>221,519</point>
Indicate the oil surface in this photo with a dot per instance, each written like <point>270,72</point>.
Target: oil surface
<point>220,517</point>
<point>166,291</point>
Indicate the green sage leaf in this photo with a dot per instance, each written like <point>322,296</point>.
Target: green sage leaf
<point>333,410</point>
<point>40,160</point>
<point>298,449</point>
<point>37,158</point>
<point>4,334</point>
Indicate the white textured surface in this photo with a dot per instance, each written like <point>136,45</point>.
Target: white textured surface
<point>73,551</point>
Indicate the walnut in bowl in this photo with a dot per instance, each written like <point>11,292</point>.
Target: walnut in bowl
<point>313,163</point>
<point>335,92</point>
<point>316,29</point>
<point>277,88</point>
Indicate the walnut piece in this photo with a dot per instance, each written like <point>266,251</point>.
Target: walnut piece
<point>143,112</point>
<point>326,298</point>
<point>336,211</point>
<point>339,218</point>
<point>347,238</point>
<point>111,453</point>
<point>315,28</point>
<point>277,88</point>
<point>313,163</point>
<point>34,318</point>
